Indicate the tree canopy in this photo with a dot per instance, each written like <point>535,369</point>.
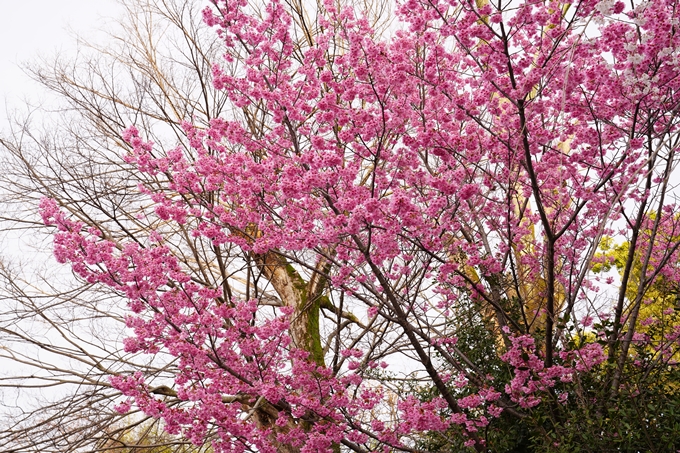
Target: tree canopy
<point>342,226</point>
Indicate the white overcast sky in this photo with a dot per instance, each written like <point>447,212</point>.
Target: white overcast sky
<point>30,29</point>
<point>33,28</point>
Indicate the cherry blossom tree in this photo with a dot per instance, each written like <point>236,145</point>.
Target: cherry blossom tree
<point>387,237</point>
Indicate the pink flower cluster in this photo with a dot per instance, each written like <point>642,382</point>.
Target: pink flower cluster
<point>531,378</point>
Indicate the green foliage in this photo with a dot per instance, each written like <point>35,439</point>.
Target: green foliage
<point>644,416</point>
<point>659,312</point>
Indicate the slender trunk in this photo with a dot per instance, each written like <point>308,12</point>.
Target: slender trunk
<point>550,302</point>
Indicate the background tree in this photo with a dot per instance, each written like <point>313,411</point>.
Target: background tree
<point>317,255</point>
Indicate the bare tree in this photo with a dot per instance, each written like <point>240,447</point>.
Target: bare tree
<point>61,337</point>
